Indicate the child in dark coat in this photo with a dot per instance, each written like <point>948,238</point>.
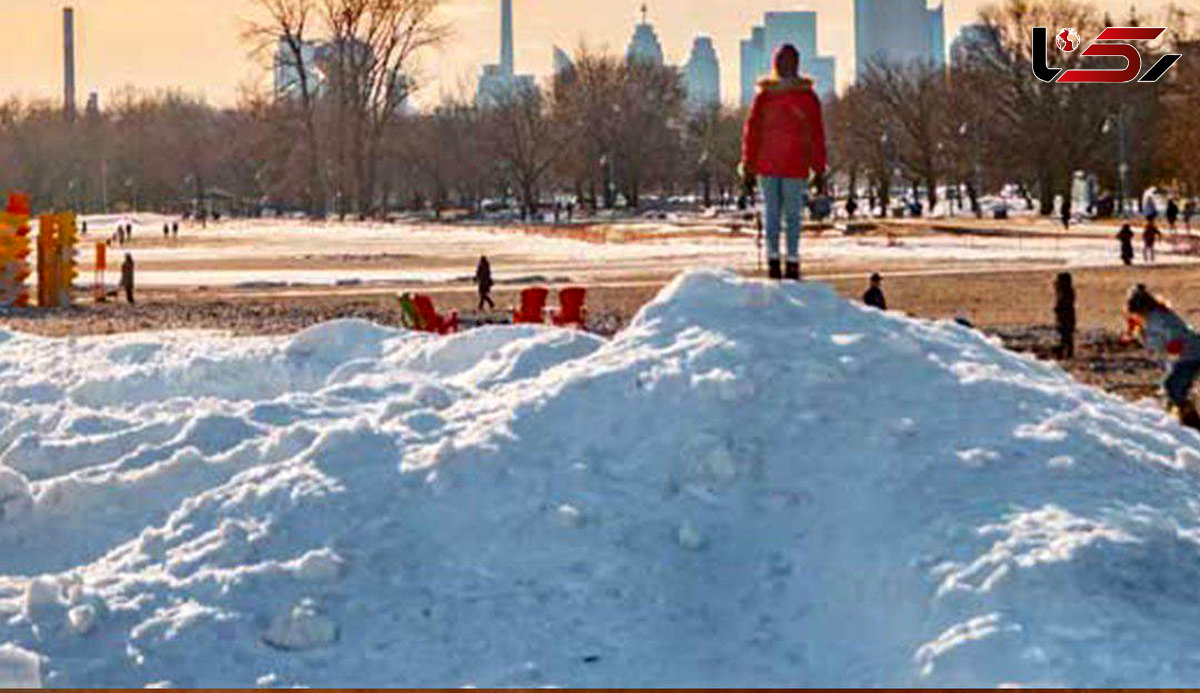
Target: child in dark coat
<point>874,296</point>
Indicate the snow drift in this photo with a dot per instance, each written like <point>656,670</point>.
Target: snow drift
<point>752,485</point>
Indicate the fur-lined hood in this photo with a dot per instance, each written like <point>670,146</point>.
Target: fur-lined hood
<point>774,83</point>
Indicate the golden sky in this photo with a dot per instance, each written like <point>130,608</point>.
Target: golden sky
<point>195,44</point>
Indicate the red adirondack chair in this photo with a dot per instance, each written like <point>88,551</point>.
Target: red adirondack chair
<point>431,320</point>
<point>533,307</point>
<point>571,308</point>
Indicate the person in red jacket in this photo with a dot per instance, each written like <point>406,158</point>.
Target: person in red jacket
<point>783,145</point>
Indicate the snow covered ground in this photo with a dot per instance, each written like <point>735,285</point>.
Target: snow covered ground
<point>752,485</point>
<point>249,253</point>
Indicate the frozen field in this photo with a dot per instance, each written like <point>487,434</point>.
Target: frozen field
<point>251,254</point>
<point>751,486</point>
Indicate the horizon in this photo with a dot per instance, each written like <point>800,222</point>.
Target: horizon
<point>197,47</point>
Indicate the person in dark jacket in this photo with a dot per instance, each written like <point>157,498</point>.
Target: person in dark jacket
<point>1065,211</point>
<point>127,277</point>
<point>1064,315</point>
<point>1172,213</point>
<point>783,147</point>
<point>1162,330</point>
<point>166,231</point>
<point>874,296</point>
<point>483,280</point>
<point>1150,238</point>
<point>1125,236</point>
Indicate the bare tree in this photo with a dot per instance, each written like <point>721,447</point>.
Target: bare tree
<point>288,27</point>
<point>528,141</point>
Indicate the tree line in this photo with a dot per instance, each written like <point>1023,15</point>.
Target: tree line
<point>605,133</point>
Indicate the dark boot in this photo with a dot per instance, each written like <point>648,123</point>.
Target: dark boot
<point>774,270</point>
<point>1188,416</point>
<point>793,272</point>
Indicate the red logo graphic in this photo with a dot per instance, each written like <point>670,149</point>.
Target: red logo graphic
<point>1068,40</point>
<point>1118,46</point>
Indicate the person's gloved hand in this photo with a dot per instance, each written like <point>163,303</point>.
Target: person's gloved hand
<point>818,182</point>
<point>749,180</point>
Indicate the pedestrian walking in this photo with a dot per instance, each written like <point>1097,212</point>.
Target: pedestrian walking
<point>1150,236</point>
<point>1064,315</point>
<point>1172,213</point>
<point>783,149</point>
<point>484,282</point>
<point>127,271</point>
<point>1125,236</point>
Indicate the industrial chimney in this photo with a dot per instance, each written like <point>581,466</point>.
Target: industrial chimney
<point>69,63</point>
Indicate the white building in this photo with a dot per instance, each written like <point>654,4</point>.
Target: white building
<point>702,75</point>
<point>898,31</point>
<point>780,28</point>
<point>645,47</point>
<point>500,81</point>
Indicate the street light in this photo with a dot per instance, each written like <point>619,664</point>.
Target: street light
<point>1122,157</point>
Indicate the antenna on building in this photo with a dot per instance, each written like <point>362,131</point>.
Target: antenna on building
<point>645,13</point>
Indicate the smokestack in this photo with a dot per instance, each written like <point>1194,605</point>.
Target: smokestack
<point>69,62</point>
<point>507,61</point>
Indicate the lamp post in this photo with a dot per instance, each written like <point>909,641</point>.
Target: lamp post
<point>975,187</point>
<point>885,192</point>
<point>1122,153</point>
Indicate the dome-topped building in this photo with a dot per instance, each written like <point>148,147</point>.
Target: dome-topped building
<point>645,47</point>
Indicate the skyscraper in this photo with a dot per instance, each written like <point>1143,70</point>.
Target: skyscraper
<point>702,75</point>
<point>898,31</point>
<point>69,62</point>
<point>645,47</point>
<point>779,28</point>
<point>499,81</point>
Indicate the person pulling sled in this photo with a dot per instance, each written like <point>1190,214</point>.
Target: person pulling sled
<point>783,151</point>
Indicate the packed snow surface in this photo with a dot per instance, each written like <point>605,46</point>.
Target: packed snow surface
<point>752,485</point>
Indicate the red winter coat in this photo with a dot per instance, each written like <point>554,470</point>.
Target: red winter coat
<point>785,133</point>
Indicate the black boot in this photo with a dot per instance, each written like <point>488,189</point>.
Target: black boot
<point>793,272</point>
<point>774,270</point>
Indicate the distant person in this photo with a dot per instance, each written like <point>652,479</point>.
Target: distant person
<point>166,231</point>
<point>127,270</point>
<point>1172,213</point>
<point>1064,315</point>
<point>174,230</point>
<point>851,208</point>
<point>1189,211</point>
<point>1150,236</point>
<point>1150,207</point>
<point>1125,236</point>
<point>129,231</point>
<point>484,281</point>
<point>783,145</point>
<point>874,296</point>
<point>1066,213</point>
<point>570,212</point>
<point>84,228</point>
<point>1162,330</point>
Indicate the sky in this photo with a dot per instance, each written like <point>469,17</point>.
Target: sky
<point>196,45</point>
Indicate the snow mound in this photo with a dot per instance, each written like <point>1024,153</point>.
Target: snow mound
<point>753,485</point>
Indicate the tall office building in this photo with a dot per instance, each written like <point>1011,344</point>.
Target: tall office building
<point>702,75</point>
<point>898,31</point>
<point>975,42</point>
<point>500,81</point>
<point>779,28</point>
<point>645,47</point>
<point>69,62</point>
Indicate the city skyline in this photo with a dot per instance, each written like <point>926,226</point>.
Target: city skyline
<point>196,46</point>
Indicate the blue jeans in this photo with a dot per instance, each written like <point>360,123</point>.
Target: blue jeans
<point>786,199</point>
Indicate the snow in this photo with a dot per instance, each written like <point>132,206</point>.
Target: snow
<point>753,485</point>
